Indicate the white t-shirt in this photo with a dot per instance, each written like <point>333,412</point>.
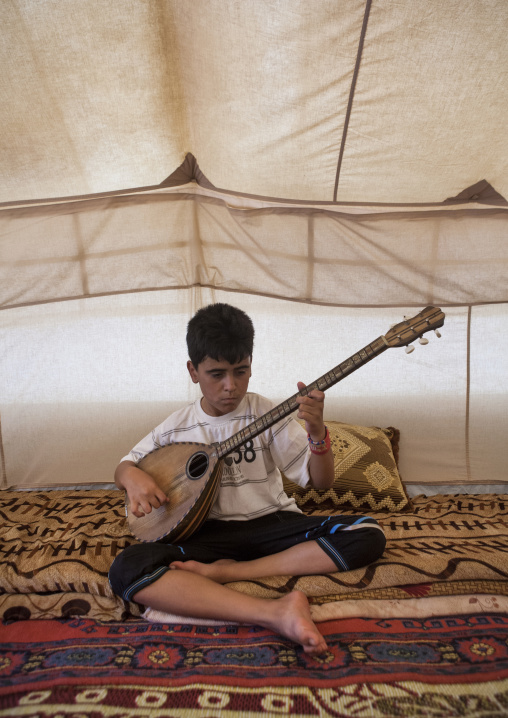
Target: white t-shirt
<point>251,485</point>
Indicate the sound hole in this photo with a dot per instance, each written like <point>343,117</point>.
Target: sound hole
<point>197,465</point>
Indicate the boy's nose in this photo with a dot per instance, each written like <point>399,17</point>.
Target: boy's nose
<point>229,383</point>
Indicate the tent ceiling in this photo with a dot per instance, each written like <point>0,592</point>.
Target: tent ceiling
<point>321,101</point>
<point>328,152</point>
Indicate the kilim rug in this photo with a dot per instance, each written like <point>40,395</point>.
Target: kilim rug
<point>378,668</point>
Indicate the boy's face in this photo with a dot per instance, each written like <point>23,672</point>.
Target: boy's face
<point>223,384</point>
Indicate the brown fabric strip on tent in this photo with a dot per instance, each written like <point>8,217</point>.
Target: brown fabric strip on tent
<point>188,236</point>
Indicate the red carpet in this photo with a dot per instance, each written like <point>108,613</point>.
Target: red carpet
<point>374,667</point>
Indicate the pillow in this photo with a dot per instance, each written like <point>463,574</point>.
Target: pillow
<point>366,475</point>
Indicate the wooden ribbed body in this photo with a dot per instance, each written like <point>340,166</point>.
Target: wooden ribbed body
<point>190,499</point>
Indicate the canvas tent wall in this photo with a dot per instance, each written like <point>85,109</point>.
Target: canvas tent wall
<point>330,167</point>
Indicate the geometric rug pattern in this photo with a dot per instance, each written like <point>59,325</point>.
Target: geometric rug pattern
<point>440,666</point>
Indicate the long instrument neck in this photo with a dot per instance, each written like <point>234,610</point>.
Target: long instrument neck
<point>378,346</point>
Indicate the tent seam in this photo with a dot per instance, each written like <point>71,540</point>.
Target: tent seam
<point>311,258</point>
<point>468,394</point>
<point>422,211</point>
<point>81,255</point>
<point>250,292</point>
<point>280,202</point>
<point>2,459</point>
<point>351,95</point>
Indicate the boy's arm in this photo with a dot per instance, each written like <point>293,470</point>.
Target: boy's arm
<point>143,492</point>
<point>311,411</point>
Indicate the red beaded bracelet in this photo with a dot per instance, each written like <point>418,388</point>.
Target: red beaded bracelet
<point>320,447</point>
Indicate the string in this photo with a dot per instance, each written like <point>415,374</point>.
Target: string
<point>267,420</point>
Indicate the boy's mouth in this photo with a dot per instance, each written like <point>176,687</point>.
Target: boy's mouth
<point>229,400</point>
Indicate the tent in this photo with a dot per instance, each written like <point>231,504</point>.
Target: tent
<point>330,167</point>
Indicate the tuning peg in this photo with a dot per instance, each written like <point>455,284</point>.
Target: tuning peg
<point>424,340</point>
<point>410,348</point>
<point>437,333</point>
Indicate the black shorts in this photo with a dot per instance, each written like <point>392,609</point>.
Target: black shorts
<point>350,541</point>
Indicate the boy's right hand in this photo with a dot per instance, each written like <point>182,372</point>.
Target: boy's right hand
<point>142,490</point>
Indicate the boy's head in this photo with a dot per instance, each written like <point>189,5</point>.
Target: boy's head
<point>220,339</point>
<point>220,331</point>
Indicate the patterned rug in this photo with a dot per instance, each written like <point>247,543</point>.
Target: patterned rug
<point>397,667</point>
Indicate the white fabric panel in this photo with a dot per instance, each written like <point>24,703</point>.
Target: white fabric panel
<point>89,98</point>
<point>266,88</point>
<point>85,380</point>
<point>488,424</point>
<point>432,81</point>
<point>97,96</point>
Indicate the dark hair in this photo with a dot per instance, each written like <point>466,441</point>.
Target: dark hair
<point>221,332</point>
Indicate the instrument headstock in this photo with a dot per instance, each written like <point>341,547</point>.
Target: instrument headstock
<point>402,334</point>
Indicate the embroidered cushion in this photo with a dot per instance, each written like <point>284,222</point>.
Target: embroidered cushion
<point>366,473</point>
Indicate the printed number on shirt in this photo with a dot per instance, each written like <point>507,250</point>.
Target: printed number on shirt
<point>248,453</point>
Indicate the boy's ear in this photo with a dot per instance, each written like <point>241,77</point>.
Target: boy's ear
<point>192,371</point>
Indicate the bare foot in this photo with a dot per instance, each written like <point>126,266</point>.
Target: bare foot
<point>214,571</point>
<point>291,617</point>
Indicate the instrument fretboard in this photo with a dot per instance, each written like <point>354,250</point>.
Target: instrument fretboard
<point>378,346</point>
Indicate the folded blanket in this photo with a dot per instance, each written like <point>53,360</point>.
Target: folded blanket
<point>413,608</point>
<point>56,548</point>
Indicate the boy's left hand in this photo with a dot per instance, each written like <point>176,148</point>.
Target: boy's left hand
<point>311,411</point>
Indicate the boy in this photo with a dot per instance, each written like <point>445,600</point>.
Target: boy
<point>254,529</point>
